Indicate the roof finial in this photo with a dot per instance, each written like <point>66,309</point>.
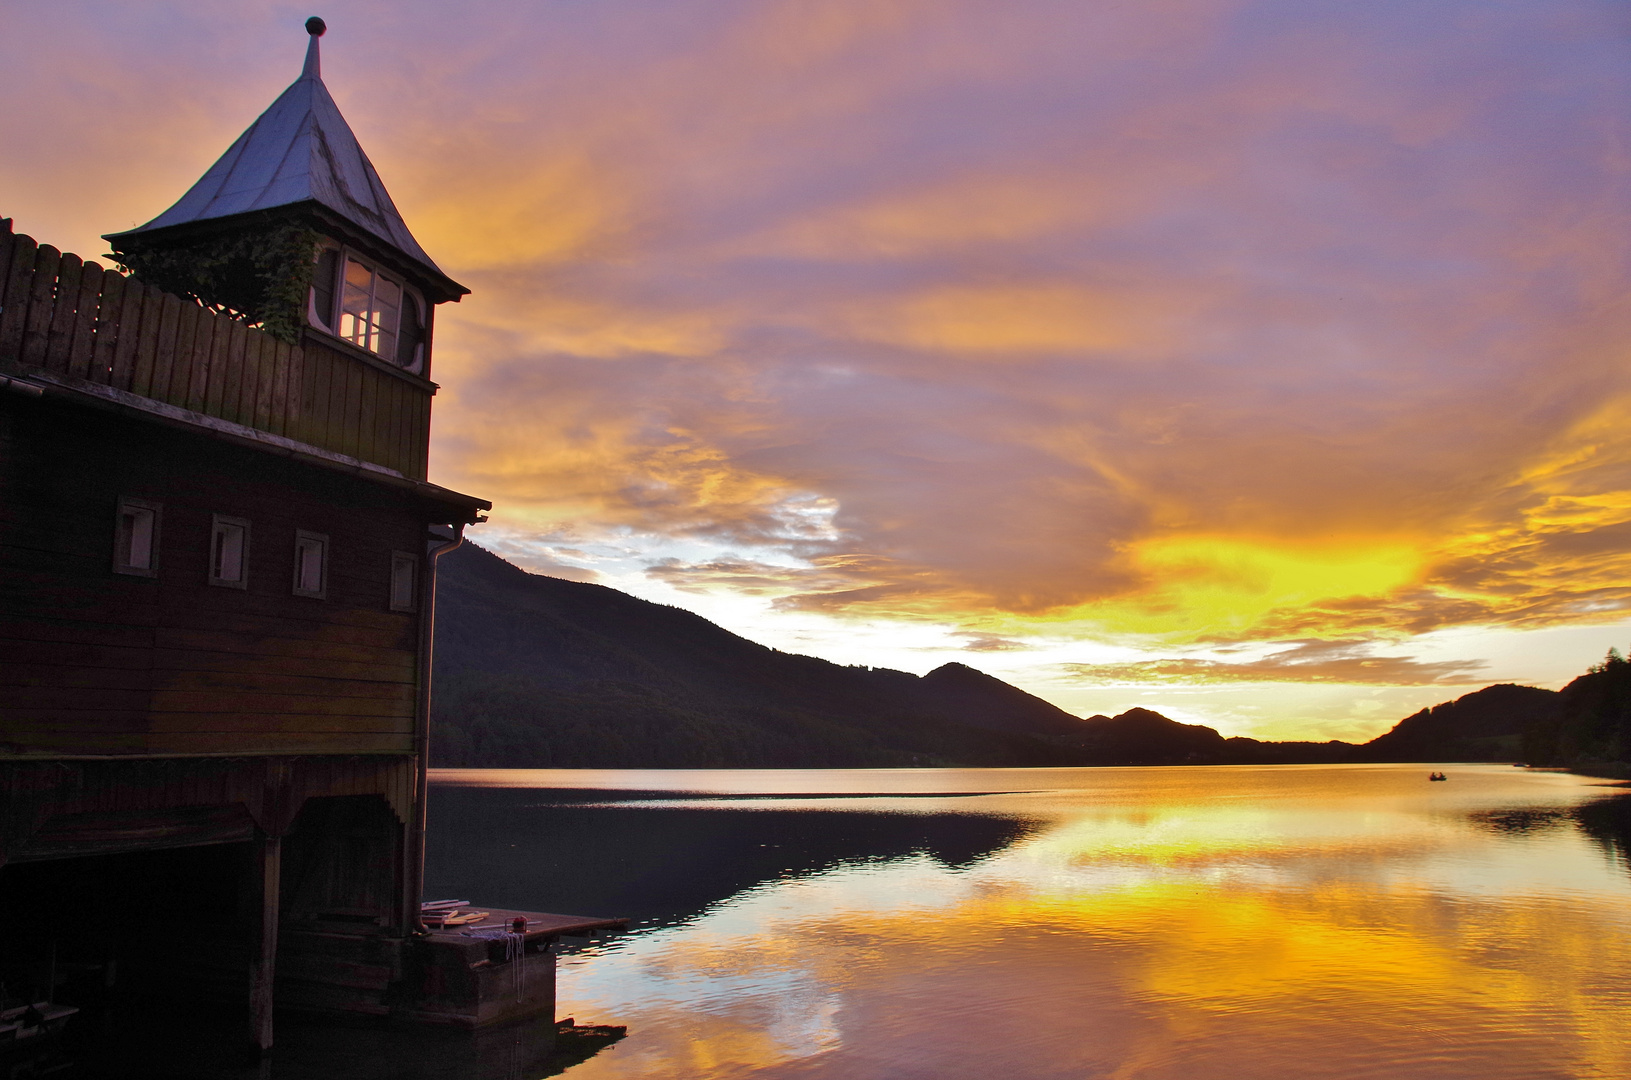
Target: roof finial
<point>313,69</point>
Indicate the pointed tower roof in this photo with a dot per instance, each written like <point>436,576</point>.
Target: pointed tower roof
<point>300,150</point>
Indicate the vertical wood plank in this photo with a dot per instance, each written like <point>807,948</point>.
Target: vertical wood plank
<point>18,273</point>
<point>8,245</point>
<point>127,331</point>
<point>82,341</point>
<point>410,434</point>
<point>421,449</point>
<point>268,869</point>
<point>60,335</point>
<point>172,310</point>
<point>233,374</point>
<point>199,362</point>
<point>247,376</point>
<point>391,425</point>
<point>338,430</point>
<point>359,425</point>
<point>219,381</point>
<point>368,414</point>
<point>258,371</point>
<point>186,365</point>
<point>402,439</point>
<point>263,359</point>
<point>316,397</point>
<point>36,331</point>
<point>313,379</point>
<point>181,363</point>
<point>288,375</point>
<point>385,423</point>
<point>351,431</point>
<point>332,402</point>
<point>149,322</point>
<point>109,311</point>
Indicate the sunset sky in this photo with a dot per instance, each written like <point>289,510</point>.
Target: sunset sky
<point>1264,363</point>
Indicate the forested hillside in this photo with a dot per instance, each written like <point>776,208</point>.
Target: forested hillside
<point>541,672</point>
<point>1591,729</point>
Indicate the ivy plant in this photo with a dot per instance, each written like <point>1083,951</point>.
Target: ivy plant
<point>260,276</point>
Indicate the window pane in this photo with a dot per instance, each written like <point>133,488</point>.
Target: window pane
<point>229,552</point>
<point>387,293</point>
<point>322,286</point>
<point>356,308</point>
<point>387,309</point>
<point>309,565</point>
<point>403,570</point>
<point>136,537</point>
<point>370,308</point>
<point>359,274</point>
<point>411,334</point>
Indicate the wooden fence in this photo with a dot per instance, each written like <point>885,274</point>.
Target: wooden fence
<point>82,322</point>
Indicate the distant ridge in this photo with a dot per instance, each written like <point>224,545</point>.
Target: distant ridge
<point>1486,725</point>
<point>538,672</point>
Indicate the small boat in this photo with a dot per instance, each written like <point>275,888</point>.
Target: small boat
<point>1437,776</point>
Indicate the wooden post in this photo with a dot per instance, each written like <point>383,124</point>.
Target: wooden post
<point>268,865</point>
<point>435,548</point>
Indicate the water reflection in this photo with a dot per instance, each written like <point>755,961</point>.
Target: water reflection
<point>518,850</point>
<point>1314,922</point>
<point>1608,821</point>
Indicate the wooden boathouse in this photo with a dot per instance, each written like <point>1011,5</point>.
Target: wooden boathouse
<point>217,566</point>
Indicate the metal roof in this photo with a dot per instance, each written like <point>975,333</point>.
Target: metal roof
<point>298,150</point>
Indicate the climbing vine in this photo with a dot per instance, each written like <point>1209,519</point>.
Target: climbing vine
<point>260,276</point>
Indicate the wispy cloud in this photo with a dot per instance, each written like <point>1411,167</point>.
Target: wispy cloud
<point>1348,663</point>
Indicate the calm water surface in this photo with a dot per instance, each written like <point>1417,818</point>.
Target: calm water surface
<point>1312,921</point>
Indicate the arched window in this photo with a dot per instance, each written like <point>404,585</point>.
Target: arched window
<point>410,339</point>
<point>358,302</point>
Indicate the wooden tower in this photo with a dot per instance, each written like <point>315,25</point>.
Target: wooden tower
<point>217,563</point>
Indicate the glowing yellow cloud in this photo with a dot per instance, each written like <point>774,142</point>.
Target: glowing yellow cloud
<point>1187,588</point>
<point>538,211</point>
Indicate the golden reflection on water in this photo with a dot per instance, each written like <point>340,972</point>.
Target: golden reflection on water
<point>1186,923</point>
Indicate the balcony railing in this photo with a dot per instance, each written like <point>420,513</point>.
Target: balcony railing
<point>86,325</point>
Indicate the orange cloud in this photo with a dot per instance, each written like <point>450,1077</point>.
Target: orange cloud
<point>1186,321</point>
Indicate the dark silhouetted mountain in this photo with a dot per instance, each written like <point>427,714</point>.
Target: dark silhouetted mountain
<point>533,671</point>
<point>1487,725</point>
<point>539,672</point>
<point>1143,737</point>
<point>1590,730</point>
<point>959,692</point>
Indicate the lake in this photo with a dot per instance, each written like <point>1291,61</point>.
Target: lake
<point>1228,922</point>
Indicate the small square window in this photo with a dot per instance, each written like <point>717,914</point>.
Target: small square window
<point>136,538</point>
<point>310,564</point>
<point>404,581</point>
<point>229,552</point>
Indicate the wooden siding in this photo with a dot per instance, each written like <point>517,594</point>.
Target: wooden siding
<point>93,662</point>
<point>44,803</point>
<point>80,322</point>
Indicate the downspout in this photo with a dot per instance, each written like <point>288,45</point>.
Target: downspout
<point>434,550</point>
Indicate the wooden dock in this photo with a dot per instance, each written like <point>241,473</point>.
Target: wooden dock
<point>466,977</point>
